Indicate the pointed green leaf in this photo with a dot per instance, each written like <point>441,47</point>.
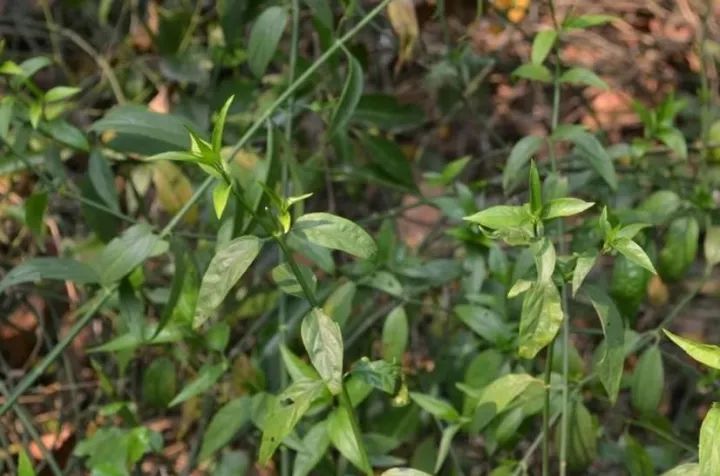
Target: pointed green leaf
<point>706,354</point>
<point>339,428</point>
<point>25,467</point>
<point>339,304</point>
<point>223,426</point>
<point>610,364</point>
<point>589,148</point>
<point>206,377</point>
<point>103,179</point>
<point>35,206</point>
<point>58,93</point>
<point>395,335</point>
<point>448,434</point>
<point>323,342</point>
<point>564,207</point>
<point>264,38</point>
<point>520,155</point>
<point>542,44</point>
<point>126,252</point>
<point>709,450</point>
<point>220,195</point>
<point>225,270</point>
<point>540,318</point>
<point>219,128</point>
<point>536,202</point>
<point>583,265</point>
<point>634,253</point>
<point>350,97</point>
<point>404,472</point>
<point>587,21</point>
<point>501,217</point>
<point>648,381</point>
<point>296,367</point>
<point>535,72</point>
<point>334,232</point>
<point>583,77</point>
<point>315,444</point>
<point>435,406</point>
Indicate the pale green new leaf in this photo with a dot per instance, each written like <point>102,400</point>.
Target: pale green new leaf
<point>583,265</point>
<point>395,335</point>
<point>545,258</point>
<point>542,44</point>
<point>323,341</point>
<point>564,207</point>
<point>634,253</point>
<point>404,472</point>
<point>58,93</point>
<point>334,232</point>
<point>264,37</point>
<point>540,318</point>
<point>220,195</point>
<point>709,449</point>
<point>219,128</point>
<point>706,354</point>
<point>25,467</point>
<point>535,72</point>
<point>712,245</point>
<point>225,270</point>
<point>501,217</point>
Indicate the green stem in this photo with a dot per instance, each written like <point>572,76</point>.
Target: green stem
<point>344,401</point>
<point>546,413</point>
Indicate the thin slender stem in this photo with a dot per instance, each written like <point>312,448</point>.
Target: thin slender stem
<point>55,352</point>
<point>546,413</point>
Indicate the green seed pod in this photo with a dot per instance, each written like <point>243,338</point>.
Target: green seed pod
<point>628,286</point>
<point>681,244</point>
<point>648,381</point>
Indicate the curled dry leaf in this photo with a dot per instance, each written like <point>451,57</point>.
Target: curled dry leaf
<point>405,24</point>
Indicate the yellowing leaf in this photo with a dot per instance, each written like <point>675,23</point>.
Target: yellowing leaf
<point>173,189</point>
<point>404,21</point>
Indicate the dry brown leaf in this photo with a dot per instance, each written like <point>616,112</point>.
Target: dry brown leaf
<point>161,102</point>
<point>173,189</point>
<point>403,19</point>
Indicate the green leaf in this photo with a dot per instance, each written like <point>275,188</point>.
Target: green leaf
<point>648,381</point>
<point>630,231</point>
<point>351,93</point>
<point>159,383</point>
<point>264,38</point>
<point>583,265</point>
<point>659,206</point>
<point>486,323</point>
<point>712,245</point>
<point>675,140</point>
<point>582,444</point>
<point>448,434</point>
<point>58,93</point>
<point>520,155</point>
<point>706,354</point>
<point>535,72</point>
<point>385,112</point>
<point>586,21</point>
<point>207,376</point>
<point>634,253</point>
<point>124,253</point>
<point>435,406</point>
<point>389,160</point>
<point>687,469</point>
<point>179,156</point>
<point>65,133</point>
<point>285,412</point>
<point>223,426</point>
<point>339,304</point>
<point>339,428</point>
<point>564,207</point>
<point>323,341</point>
<point>545,258</point>
<point>540,318</point>
<point>395,335</point>
<point>502,391</point>
<point>501,217</point>
<point>589,148</point>
<point>709,450</point>
<point>542,44</point>
<point>296,367</point>
<point>220,195</point>
<point>25,467</point>
<point>6,114</point>
<point>35,113</point>
<point>314,446</point>
<point>132,310</point>
<point>520,286</point>
<point>219,128</point>
<point>380,374</point>
<point>337,233</point>
<point>103,180</point>
<point>449,172</point>
<point>584,77</point>
<point>288,283</point>
<point>167,130</point>
<point>404,472</point>
<point>225,270</point>
<point>113,451</point>
<point>610,364</point>
<point>62,269</point>
<point>35,206</point>
<point>33,65</point>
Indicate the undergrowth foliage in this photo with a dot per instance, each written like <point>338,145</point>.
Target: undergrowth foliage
<point>317,342</point>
